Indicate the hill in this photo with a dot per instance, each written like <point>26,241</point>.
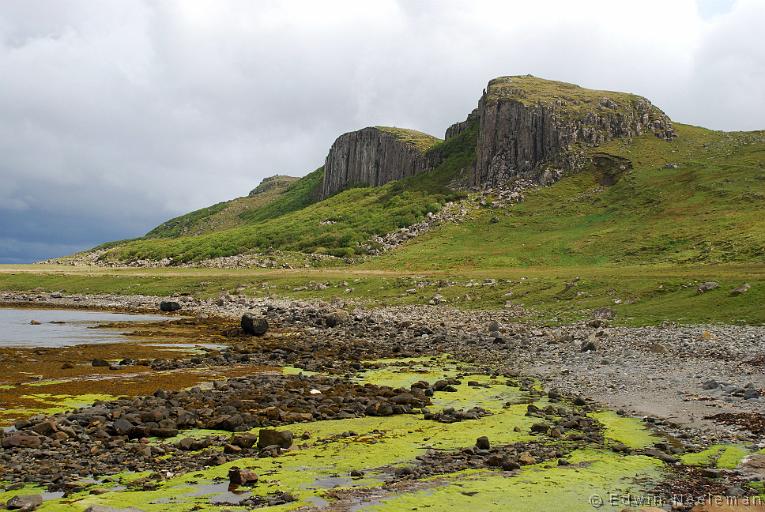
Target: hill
<point>624,185</point>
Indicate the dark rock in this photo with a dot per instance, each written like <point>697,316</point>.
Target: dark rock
<point>589,346</point>
<point>483,443</point>
<point>269,437</point>
<point>169,306</point>
<point>254,325</point>
<point>337,317</point>
<point>100,363</point>
<point>244,440</point>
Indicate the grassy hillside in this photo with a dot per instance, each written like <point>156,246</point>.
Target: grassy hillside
<point>223,215</point>
<point>698,199</point>
<point>294,221</point>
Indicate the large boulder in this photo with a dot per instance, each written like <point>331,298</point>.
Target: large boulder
<point>169,306</point>
<point>254,325</point>
<point>21,440</point>
<point>24,503</point>
<point>269,437</point>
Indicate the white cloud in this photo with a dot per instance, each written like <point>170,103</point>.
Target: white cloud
<point>123,113</point>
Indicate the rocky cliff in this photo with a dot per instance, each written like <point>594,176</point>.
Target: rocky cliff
<point>374,156</point>
<point>531,127</point>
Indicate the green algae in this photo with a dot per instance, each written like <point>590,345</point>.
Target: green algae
<point>722,456</point>
<point>538,487</point>
<point>292,370</point>
<point>630,432</point>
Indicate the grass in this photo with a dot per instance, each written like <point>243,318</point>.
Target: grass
<point>420,140</point>
<point>569,99</point>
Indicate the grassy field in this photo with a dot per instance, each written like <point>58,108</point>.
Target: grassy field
<point>640,295</point>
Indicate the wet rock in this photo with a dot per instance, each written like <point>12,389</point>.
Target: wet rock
<point>268,437</point>
<point>238,476</point>
<point>357,473</point>
<point>169,306</point>
<point>34,322</point>
<point>24,503</point>
<point>99,363</point>
<point>254,325</point>
<point>483,443</point>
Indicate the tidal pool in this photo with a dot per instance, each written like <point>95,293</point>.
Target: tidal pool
<point>61,327</point>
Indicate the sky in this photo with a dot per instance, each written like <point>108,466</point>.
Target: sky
<point>116,115</point>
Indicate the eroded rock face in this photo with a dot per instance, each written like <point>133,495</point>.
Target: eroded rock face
<point>524,132</point>
<point>369,156</point>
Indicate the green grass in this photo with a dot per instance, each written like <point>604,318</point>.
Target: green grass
<point>708,210</point>
<point>569,99</point>
<point>420,140</point>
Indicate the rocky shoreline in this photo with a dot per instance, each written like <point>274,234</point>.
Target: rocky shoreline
<point>699,385</point>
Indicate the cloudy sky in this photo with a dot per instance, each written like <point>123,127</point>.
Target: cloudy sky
<point>116,115</point>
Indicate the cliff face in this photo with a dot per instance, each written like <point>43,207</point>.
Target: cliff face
<point>528,124</point>
<point>374,156</point>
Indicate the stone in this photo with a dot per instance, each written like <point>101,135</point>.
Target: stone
<point>21,440</point>
<point>483,443</point>
<point>25,503</point>
<point>526,459</point>
<point>169,306</point>
<point>238,476</point>
<point>244,440</point>
<point>370,156</point>
<point>589,346</point>
<point>707,287</point>
<point>739,290</point>
<point>603,314</point>
<point>254,325</point>
<point>269,437</point>
<point>34,322</point>
<point>336,317</point>
<point>100,363</point>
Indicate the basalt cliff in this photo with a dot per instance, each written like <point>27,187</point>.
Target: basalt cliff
<point>527,127</point>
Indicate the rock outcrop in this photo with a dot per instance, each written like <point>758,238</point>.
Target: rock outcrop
<point>270,183</point>
<point>528,126</point>
<point>374,156</point>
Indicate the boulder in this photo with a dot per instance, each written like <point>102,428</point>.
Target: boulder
<point>24,503</point>
<point>100,363</point>
<point>21,440</point>
<point>740,290</point>
<point>238,476</point>
<point>483,443</point>
<point>336,317</point>
<point>270,437</point>
<point>254,325</point>
<point>707,287</point>
<point>169,306</point>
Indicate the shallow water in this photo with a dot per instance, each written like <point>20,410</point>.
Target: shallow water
<point>61,327</point>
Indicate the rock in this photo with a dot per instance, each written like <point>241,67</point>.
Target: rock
<point>603,314</point>
<point>100,363</point>
<point>589,346</point>
<point>45,428</point>
<point>661,455</point>
<point>371,156</point>
<point>24,503</point>
<point>739,290</point>
<point>539,428</point>
<point>494,326</point>
<point>526,459</point>
<point>483,443</point>
<point>169,306</point>
<point>244,440</point>
<point>707,286</point>
<point>34,322</point>
<point>67,366</point>
<point>520,137</point>
<point>21,440</point>
<point>254,325</point>
<point>238,476</point>
<point>357,473</point>
<point>268,437</point>
<point>336,317</point>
